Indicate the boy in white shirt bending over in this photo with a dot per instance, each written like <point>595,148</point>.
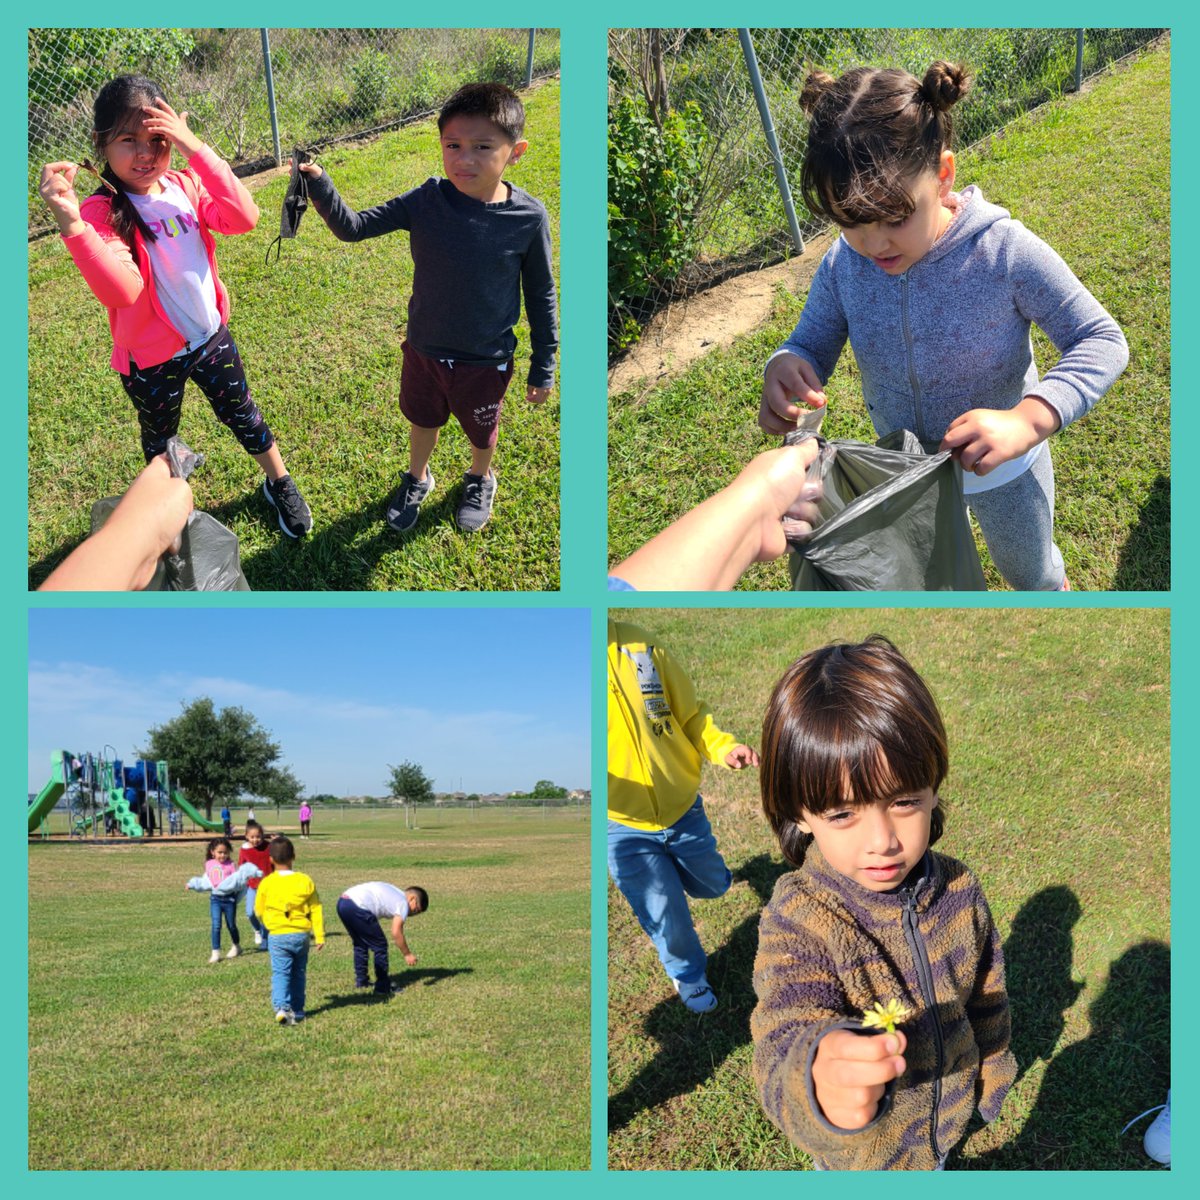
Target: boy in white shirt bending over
<point>360,909</point>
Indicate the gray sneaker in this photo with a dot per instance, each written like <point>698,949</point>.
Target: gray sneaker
<point>284,496</point>
<point>404,504</point>
<point>479,493</point>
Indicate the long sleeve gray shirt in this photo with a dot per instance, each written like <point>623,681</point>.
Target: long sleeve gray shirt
<point>471,263</point>
<point>953,332</point>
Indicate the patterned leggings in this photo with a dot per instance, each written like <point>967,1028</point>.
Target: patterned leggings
<point>216,369</point>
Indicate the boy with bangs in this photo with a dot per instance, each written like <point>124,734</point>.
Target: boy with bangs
<point>477,242</point>
<point>853,755</point>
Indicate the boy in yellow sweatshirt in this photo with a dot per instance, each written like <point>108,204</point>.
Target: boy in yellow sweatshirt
<point>661,848</point>
<point>291,910</point>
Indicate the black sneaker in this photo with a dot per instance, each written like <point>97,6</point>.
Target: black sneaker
<point>404,504</point>
<point>284,496</point>
<point>479,492</point>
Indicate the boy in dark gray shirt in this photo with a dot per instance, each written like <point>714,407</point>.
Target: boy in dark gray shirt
<point>477,244</point>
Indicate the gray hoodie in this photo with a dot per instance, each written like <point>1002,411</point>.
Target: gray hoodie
<point>952,333</point>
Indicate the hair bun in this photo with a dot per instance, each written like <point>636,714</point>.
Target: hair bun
<point>816,84</point>
<point>945,84</point>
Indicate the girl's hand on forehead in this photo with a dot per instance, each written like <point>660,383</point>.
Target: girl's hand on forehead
<point>160,118</point>
<point>789,378</point>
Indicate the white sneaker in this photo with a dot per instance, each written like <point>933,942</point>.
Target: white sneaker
<point>214,957</point>
<point>1157,1140</point>
<point>234,951</point>
<point>696,997</point>
<point>283,1017</point>
<point>257,938</point>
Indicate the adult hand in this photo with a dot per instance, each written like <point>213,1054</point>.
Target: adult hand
<point>850,1072</point>
<point>788,378</point>
<point>161,119</point>
<point>57,188</point>
<point>787,500</point>
<point>984,438</point>
<point>741,756</point>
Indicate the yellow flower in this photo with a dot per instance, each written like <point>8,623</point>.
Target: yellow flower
<point>885,1017</point>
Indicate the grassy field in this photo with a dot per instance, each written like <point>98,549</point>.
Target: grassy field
<point>1087,173</point>
<point>1057,798</point>
<point>320,334</point>
<point>142,1056</point>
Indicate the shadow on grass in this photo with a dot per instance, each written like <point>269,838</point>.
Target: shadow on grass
<point>1094,1086</point>
<point>1145,561</point>
<point>691,1047</point>
<point>400,983</point>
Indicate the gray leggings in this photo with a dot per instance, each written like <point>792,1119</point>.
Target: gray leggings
<point>1017,521</point>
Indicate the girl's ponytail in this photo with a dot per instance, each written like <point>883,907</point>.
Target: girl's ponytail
<point>122,215</point>
<point>944,85</point>
<point>816,84</point>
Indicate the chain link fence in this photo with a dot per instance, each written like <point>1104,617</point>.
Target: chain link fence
<point>327,84</point>
<point>693,197</point>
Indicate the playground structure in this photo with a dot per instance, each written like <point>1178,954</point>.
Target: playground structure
<point>106,798</point>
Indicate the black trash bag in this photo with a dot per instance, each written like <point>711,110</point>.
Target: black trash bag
<point>207,558</point>
<point>893,519</point>
<point>294,204</point>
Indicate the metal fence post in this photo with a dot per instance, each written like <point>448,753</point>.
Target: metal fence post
<point>529,59</point>
<point>266,52</point>
<point>764,112</point>
<point>1078,59</point>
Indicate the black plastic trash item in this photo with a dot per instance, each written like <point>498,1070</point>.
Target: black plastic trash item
<point>294,204</point>
<point>893,519</point>
<point>207,558</point>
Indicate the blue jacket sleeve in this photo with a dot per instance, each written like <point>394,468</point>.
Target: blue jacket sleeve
<point>822,330</point>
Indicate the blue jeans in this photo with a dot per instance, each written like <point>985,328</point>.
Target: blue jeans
<point>255,923</point>
<point>289,970</point>
<point>656,871</point>
<point>223,907</point>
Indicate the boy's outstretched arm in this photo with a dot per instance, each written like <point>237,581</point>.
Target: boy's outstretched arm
<point>541,308</point>
<point>345,223</point>
<point>401,944</point>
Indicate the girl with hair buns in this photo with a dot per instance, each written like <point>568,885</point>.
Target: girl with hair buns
<point>936,291</point>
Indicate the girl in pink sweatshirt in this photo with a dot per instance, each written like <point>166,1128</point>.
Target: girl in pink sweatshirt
<point>143,241</point>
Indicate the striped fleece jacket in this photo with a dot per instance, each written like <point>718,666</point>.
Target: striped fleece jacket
<point>829,949</point>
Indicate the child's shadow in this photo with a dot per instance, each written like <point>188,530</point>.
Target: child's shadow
<point>400,983</point>
<point>1074,1110</point>
<point>691,1048</point>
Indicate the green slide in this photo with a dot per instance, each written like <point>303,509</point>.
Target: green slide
<point>47,798</point>
<point>192,815</point>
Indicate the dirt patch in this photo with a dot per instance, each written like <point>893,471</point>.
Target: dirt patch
<point>684,332</point>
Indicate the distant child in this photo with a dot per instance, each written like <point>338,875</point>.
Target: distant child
<point>936,291</point>
<point>661,848</point>
<point>305,818</point>
<point>288,905</point>
<point>477,243</point>
<point>219,869</point>
<point>255,851</point>
<point>853,754</point>
<point>227,820</point>
<point>143,241</point>
<point>360,909</point>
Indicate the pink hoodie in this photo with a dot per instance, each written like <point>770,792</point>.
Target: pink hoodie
<point>136,318</point>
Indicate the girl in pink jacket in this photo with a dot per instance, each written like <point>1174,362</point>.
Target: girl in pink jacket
<point>143,241</point>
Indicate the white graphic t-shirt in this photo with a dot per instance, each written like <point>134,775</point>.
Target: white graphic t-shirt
<point>182,279</point>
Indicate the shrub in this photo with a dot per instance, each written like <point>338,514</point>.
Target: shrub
<point>502,63</point>
<point>652,193</point>
<point>370,74</point>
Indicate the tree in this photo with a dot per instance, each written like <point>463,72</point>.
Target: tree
<point>280,786</point>
<point>547,789</point>
<point>409,783</point>
<point>215,756</point>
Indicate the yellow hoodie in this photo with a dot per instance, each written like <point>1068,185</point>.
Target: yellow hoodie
<point>658,733</point>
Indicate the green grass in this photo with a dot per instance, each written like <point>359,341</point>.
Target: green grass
<point>1087,173</point>
<point>1058,800</point>
<point>144,1057</point>
<point>320,334</point>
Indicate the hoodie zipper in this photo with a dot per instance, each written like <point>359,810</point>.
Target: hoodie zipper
<point>916,945</point>
<point>906,328</point>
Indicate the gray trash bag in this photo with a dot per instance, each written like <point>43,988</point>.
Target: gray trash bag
<point>207,559</point>
<point>893,519</point>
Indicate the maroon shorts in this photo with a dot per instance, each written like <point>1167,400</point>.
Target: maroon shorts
<point>433,388</point>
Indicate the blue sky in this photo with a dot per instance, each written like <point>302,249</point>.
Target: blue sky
<point>498,698</point>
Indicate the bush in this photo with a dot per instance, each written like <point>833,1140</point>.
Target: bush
<point>652,193</point>
<point>503,63</point>
<point>370,74</point>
